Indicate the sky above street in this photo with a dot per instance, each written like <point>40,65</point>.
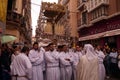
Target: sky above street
<point>35,9</point>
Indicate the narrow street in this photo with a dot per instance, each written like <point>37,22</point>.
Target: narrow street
<point>59,39</point>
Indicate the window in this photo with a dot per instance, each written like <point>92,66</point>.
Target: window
<point>11,4</point>
<point>9,7</point>
<point>84,18</point>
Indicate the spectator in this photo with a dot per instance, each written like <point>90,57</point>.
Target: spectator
<point>114,64</point>
<point>5,62</point>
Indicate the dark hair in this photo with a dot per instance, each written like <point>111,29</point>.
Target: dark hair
<point>50,44</point>
<point>5,45</point>
<point>60,46</point>
<point>14,46</point>
<point>35,43</point>
<point>24,49</point>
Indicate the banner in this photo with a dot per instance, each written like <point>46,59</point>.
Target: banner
<point>3,10</point>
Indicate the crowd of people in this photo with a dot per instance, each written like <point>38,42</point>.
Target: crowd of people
<point>51,62</point>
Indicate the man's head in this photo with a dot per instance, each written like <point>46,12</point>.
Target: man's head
<point>78,48</point>
<point>51,46</point>
<point>98,47</point>
<point>16,47</point>
<point>35,46</point>
<point>25,50</point>
<point>65,48</point>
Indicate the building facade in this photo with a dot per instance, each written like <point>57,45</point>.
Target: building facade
<point>18,21</point>
<point>99,22</point>
<point>69,20</point>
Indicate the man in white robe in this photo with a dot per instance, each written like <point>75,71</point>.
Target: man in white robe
<point>52,64</point>
<point>65,64</point>
<point>87,68</point>
<point>36,58</point>
<point>16,52</point>
<point>76,58</point>
<point>21,66</point>
<point>101,57</point>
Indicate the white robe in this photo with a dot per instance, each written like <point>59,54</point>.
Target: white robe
<point>87,70</point>
<point>76,58</point>
<point>42,50</point>
<point>52,65</point>
<point>21,66</point>
<point>65,66</point>
<point>36,58</point>
<point>101,56</point>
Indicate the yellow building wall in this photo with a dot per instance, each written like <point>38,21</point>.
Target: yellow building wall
<point>3,10</point>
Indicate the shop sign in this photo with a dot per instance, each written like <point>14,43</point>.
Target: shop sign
<point>100,28</point>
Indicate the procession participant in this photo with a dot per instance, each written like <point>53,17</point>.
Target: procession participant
<point>87,68</point>
<point>76,58</point>
<point>21,66</point>
<point>65,64</point>
<point>36,58</point>
<point>16,51</point>
<point>101,57</point>
<point>52,63</point>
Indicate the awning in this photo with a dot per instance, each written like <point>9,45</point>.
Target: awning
<point>100,35</point>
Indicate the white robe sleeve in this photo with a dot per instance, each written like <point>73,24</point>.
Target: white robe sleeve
<point>56,55</point>
<point>102,55</point>
<point>64,61</point>
<point>38,59</point>
<point>49,58</point>
<point>32,59</point>
<point>28,68</point>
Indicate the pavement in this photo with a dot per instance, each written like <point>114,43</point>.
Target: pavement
<point>112,79</point>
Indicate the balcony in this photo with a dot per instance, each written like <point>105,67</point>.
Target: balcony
<point>96,4</point>
<point>103,2</point>
<point>99,14</point>
<point>14,19</point>
<point>81,4</point>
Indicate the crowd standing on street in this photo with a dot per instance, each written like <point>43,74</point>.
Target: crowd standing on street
<point>58,62</point>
